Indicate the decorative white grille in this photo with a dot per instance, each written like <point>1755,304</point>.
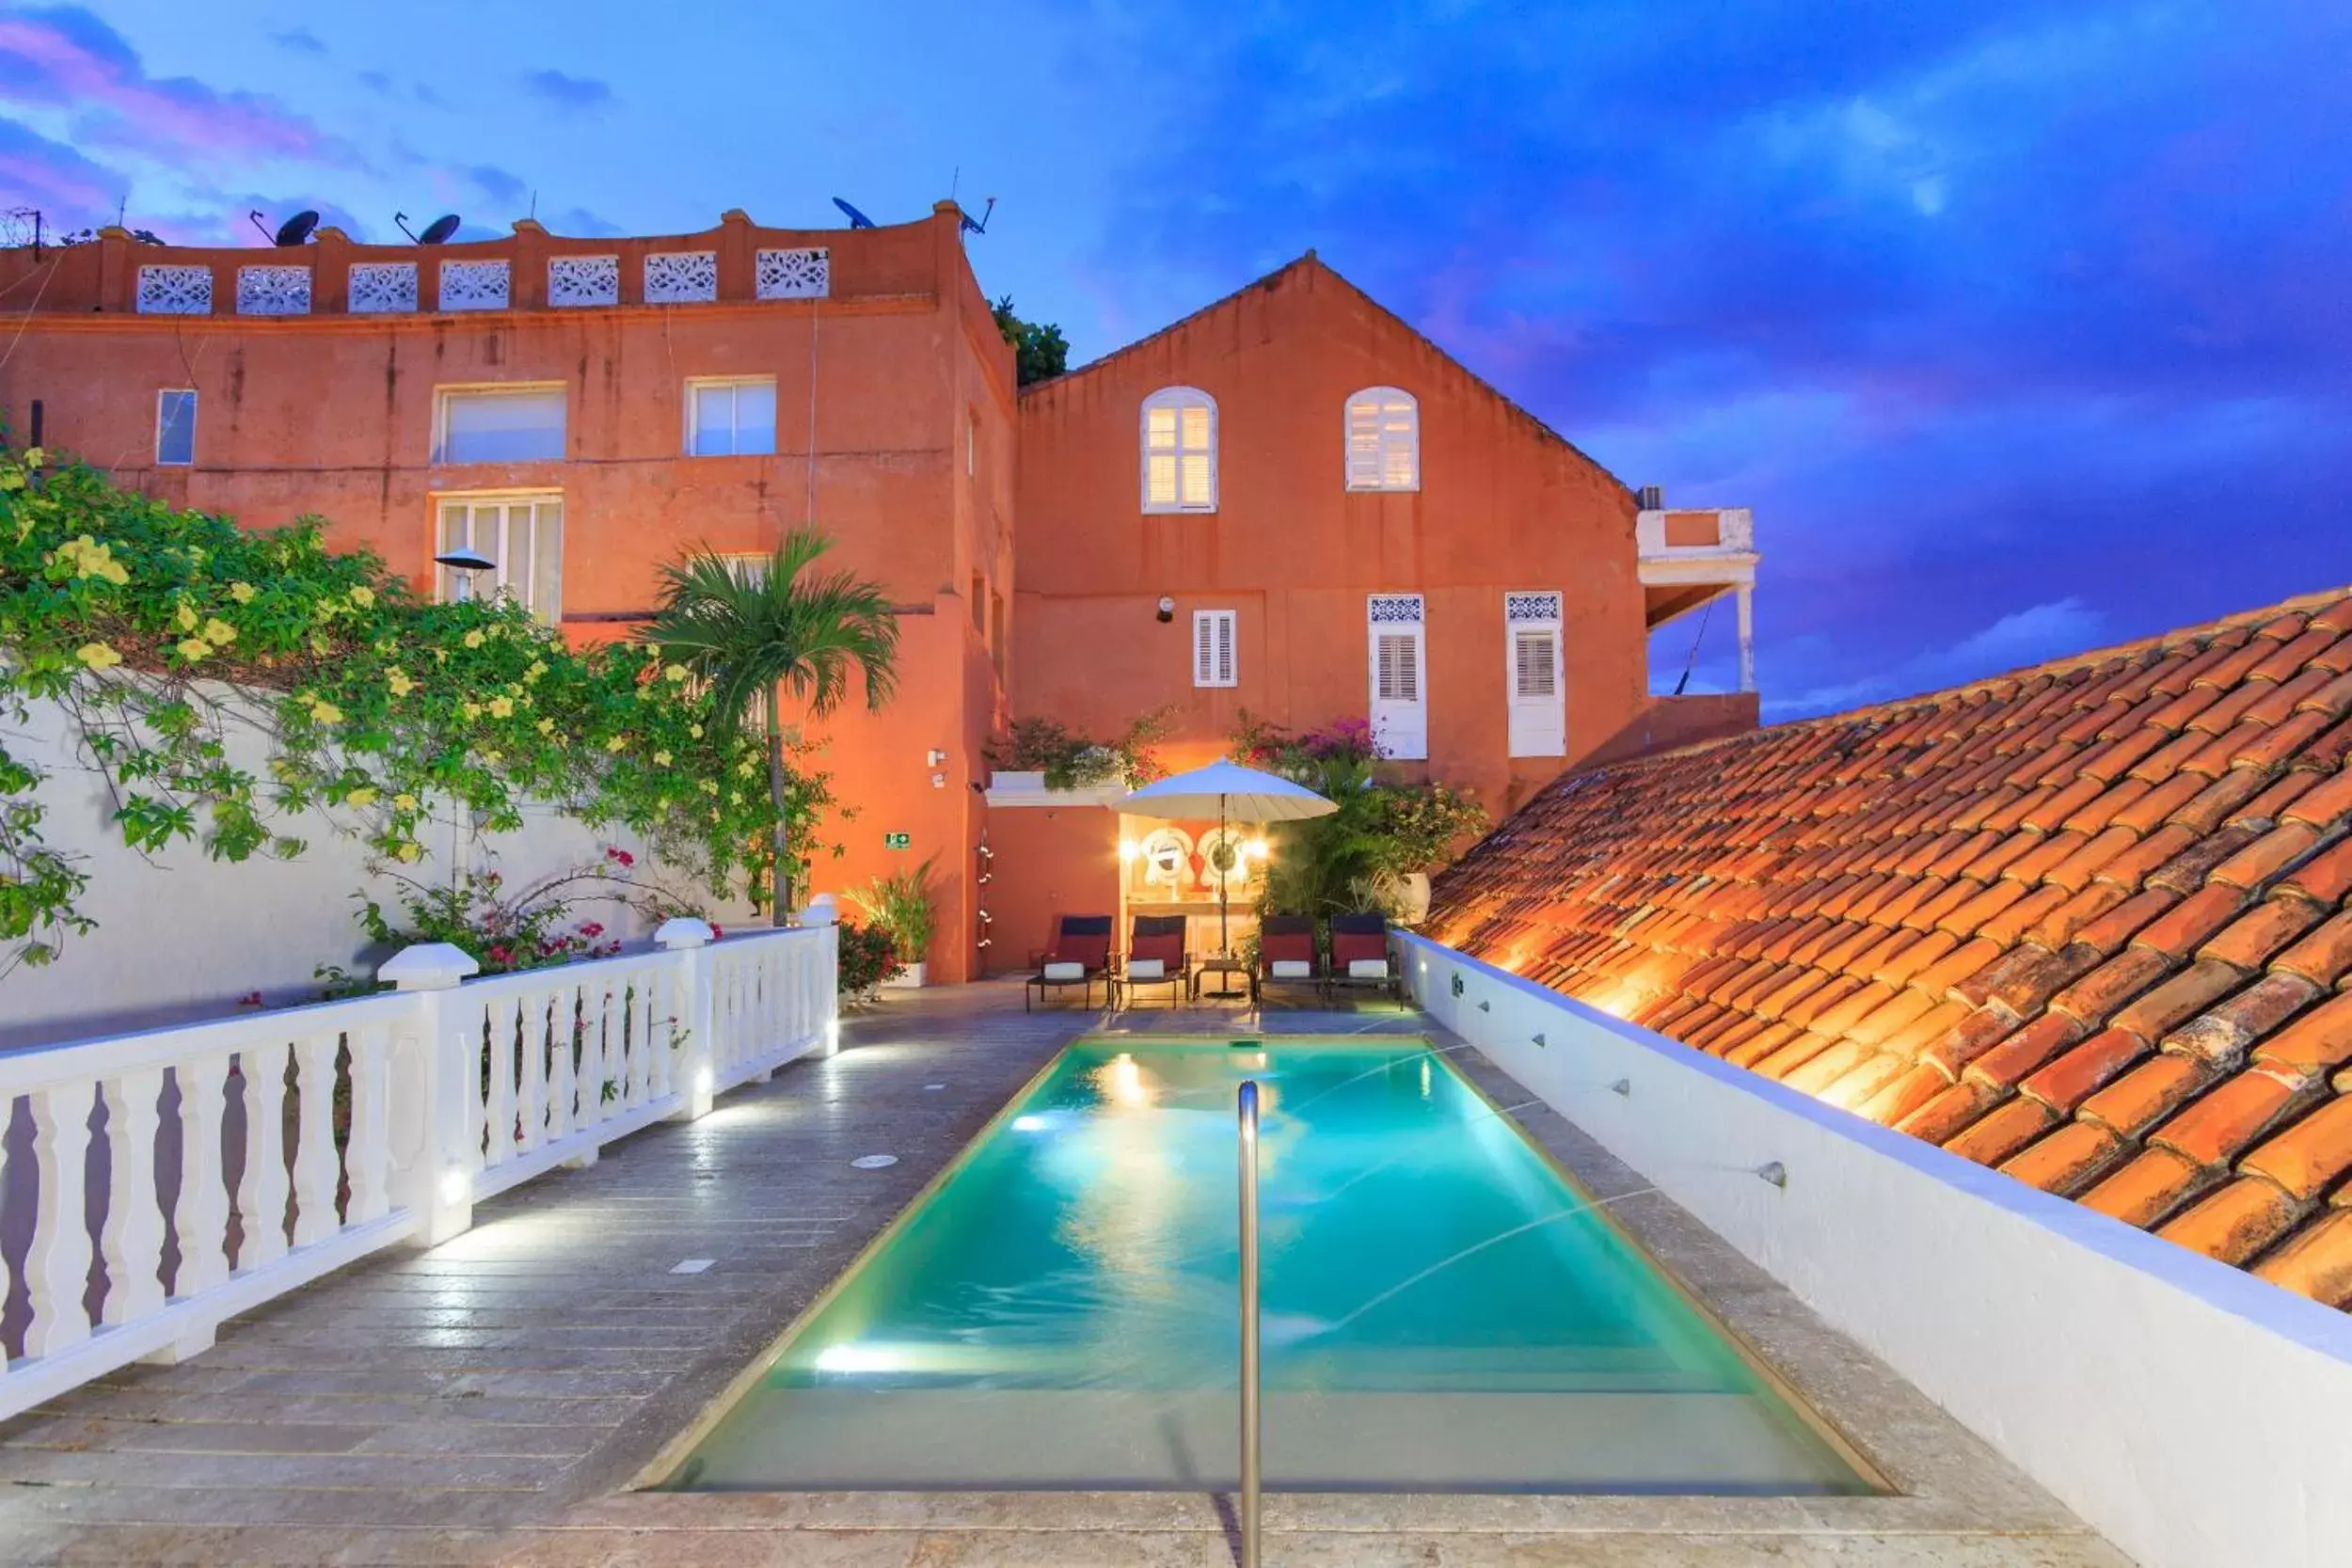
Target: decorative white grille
<point>681,277</point>
<point>795,274</point>
<point>583,280</point>
<point>1531,606</point>
<point>1400,609</point>
<point>274,291</point>
<point>382,286</point>
<point>175,291</point>
<point>473,286</point>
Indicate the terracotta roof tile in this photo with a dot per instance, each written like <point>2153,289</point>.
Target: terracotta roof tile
<point>2078,923</point>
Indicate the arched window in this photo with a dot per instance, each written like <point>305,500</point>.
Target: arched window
<point>1180,451</point>
<point>1383,440</point>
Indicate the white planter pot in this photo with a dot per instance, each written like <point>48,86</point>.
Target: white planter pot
<point>909,978</point>
<point>1416,889</point>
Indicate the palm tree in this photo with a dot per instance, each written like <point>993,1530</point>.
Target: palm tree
<point>754,630</point>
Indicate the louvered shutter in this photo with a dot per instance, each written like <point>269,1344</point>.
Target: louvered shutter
<point>1538,712</point>
<point>1383,440</point>
<point>1179,450</point>
<point>1400,713</point>
<point>1212,647</point>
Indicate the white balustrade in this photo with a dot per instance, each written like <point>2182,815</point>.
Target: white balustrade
<point>176,1178</point>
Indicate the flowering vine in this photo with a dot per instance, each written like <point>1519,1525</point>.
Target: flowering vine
<point>223,680</point>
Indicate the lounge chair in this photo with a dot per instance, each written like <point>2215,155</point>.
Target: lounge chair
<point>1361,959</point>
<point>1157,956</point>
<point>1286,955</point>
<point>1081,955</point>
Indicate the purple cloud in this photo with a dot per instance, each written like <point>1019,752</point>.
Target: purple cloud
<point>569,92</point>
<point>70,191</point>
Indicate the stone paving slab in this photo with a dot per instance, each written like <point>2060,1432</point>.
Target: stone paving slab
<point>492,1402</point>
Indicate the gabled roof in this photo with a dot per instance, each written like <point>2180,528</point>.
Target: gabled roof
<point>1309,262</point>
<point>2086,923</point>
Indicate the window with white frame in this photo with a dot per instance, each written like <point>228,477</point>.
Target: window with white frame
<point>175,428</point>
<point>523,535</point>
<point>1538,712</point>
<point>1180,451</point>
<point>731,417</point>
<point>1214,659</point>
<point>498,424</point>
<point>1400,705</point>
<point>1383,440</point>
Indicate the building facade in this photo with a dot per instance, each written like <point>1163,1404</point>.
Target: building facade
<point>1289,505</point>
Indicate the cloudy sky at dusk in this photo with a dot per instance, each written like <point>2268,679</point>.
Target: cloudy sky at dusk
<point>2023,327</point>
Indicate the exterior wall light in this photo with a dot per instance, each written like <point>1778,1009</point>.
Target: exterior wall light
<point>1259,849</point>
<point>1166,609</point>
<point>1129,849</point>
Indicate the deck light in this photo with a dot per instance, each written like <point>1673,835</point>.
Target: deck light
<point>455,1186</point>
<point>704,1080</point>
<point>1028,1124</point>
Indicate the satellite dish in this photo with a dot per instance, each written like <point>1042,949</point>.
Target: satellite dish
<point>297,229</point>
<point>857,219</point>
<point>982,226</point>
<point>438,229</point>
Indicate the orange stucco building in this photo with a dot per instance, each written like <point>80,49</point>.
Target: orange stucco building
<point>1290,503</point>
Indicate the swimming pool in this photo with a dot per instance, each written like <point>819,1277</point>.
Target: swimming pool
<point>1441,1309</point>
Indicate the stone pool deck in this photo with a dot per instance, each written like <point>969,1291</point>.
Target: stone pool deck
<point>492,1401</point>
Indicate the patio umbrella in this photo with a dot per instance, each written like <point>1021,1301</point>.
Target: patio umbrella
<point>1231,792</point>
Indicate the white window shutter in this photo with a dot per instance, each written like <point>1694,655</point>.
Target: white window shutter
<point>1383,440</point>
<point>1400,707</point>
<point>1179,450</point>
<point>1213,660</point>
<point>1532,678</point>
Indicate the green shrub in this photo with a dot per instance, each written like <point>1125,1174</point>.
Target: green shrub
<point>899,904</point>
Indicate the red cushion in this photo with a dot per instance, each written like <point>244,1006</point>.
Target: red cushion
<point>1168,949</point>
<point>1278,946</point>
<point>1349,946</point>
<point>1092,951</point>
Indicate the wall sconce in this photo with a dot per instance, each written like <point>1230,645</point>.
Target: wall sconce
<point>1258,849</point>
<point>1166,609</point>
<point>934,757</point>
<point>1129,849</point>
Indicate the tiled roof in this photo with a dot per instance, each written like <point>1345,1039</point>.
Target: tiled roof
<point>2085,924</point>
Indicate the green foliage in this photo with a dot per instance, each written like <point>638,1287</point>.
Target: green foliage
<point>506,932</point>
<point>867,957</point>
<point>901,906</point>
<point>1072,761</point>
<point>1383,830</point>
<point>1041,352</point>
<point>750,634</point>
<point>220,679</point>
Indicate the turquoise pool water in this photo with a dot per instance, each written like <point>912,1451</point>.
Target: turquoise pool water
<point>1441,1310</point>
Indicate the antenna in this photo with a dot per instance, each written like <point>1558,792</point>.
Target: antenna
<point>857,219</point>
<point>982,226</point>
<point>402,219</point>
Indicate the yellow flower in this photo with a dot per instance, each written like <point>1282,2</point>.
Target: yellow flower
<point>33,457</point>
<point>186,618</point>
<point>470,711</point>
<point>501,708</point>
<point>618,743</point>
<point>363,598</point>
<point>326,712</point>
<point>220,632</point>
<point>675,674</point>
<point>403,803</point>
<point>411,852</point>
<point>320,645</point>
<point>473,638</point>
<point>537,669</point>
<point>441,656</point>
<point>547,726</point>
<point>194,648</point>
<point>361,797</point>
<point>399,683</point>
<point>241,591</point>
<point>493,758</point>
<point>661,759</point>
<point>696,732</point>
<point>98,656</point>
<point>747,768</point>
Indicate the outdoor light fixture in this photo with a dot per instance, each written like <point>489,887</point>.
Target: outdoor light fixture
<point>704,1080</point>
<point>933,757</point>
<point>1258,849</point>
<point>454,1185</point>
<point>1129,849</point>
<point>1166,609</point>
<point>465,563</point>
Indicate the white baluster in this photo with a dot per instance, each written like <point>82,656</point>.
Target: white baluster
<point>597,1001</point>
<point>368,1157</point>
<point>316,1170</point>
<point>562,1088</point>
<point>262,1191</point>
<point>201,1220</point>
<point>132,1237</point>
<point>499,1105</point>
<point>532,1095</point>
<point>57,1267</point>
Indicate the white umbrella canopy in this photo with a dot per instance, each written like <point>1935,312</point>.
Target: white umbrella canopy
<point>1230,792</point>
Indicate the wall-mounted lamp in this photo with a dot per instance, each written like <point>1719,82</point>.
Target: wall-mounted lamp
<point>1166,609</point>
<point>1258,849</point>
<point>933,757</point>
<point>1129,849</point>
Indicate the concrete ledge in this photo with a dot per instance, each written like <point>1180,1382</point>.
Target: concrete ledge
<point>2190,1412</point>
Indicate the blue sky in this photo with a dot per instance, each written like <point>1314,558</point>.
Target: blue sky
<point>2023,327</point>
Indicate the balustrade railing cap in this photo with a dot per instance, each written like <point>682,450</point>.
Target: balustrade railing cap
<point>820,910</point>
<point>683,931</point>
<point>428,966</point>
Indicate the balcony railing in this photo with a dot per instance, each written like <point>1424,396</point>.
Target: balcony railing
<point>457,283</point>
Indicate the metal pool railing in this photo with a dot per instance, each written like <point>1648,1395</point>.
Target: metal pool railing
<point>1252,1424</point>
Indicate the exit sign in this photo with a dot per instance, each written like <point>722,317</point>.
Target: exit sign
<point>897,841</point>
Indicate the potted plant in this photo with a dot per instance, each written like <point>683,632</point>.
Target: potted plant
<point>900,905</point>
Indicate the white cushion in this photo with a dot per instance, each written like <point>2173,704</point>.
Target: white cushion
<point>1367,969</point>
<point>1292,969</point>
<point>1065,971</point>
<point>1147,969</point>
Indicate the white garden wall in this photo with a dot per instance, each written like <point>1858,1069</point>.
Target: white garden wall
<point>181,936</point>
<point>2192,1413</point>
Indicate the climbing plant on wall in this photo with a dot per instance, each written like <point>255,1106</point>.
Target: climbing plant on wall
<point>221,680</point>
